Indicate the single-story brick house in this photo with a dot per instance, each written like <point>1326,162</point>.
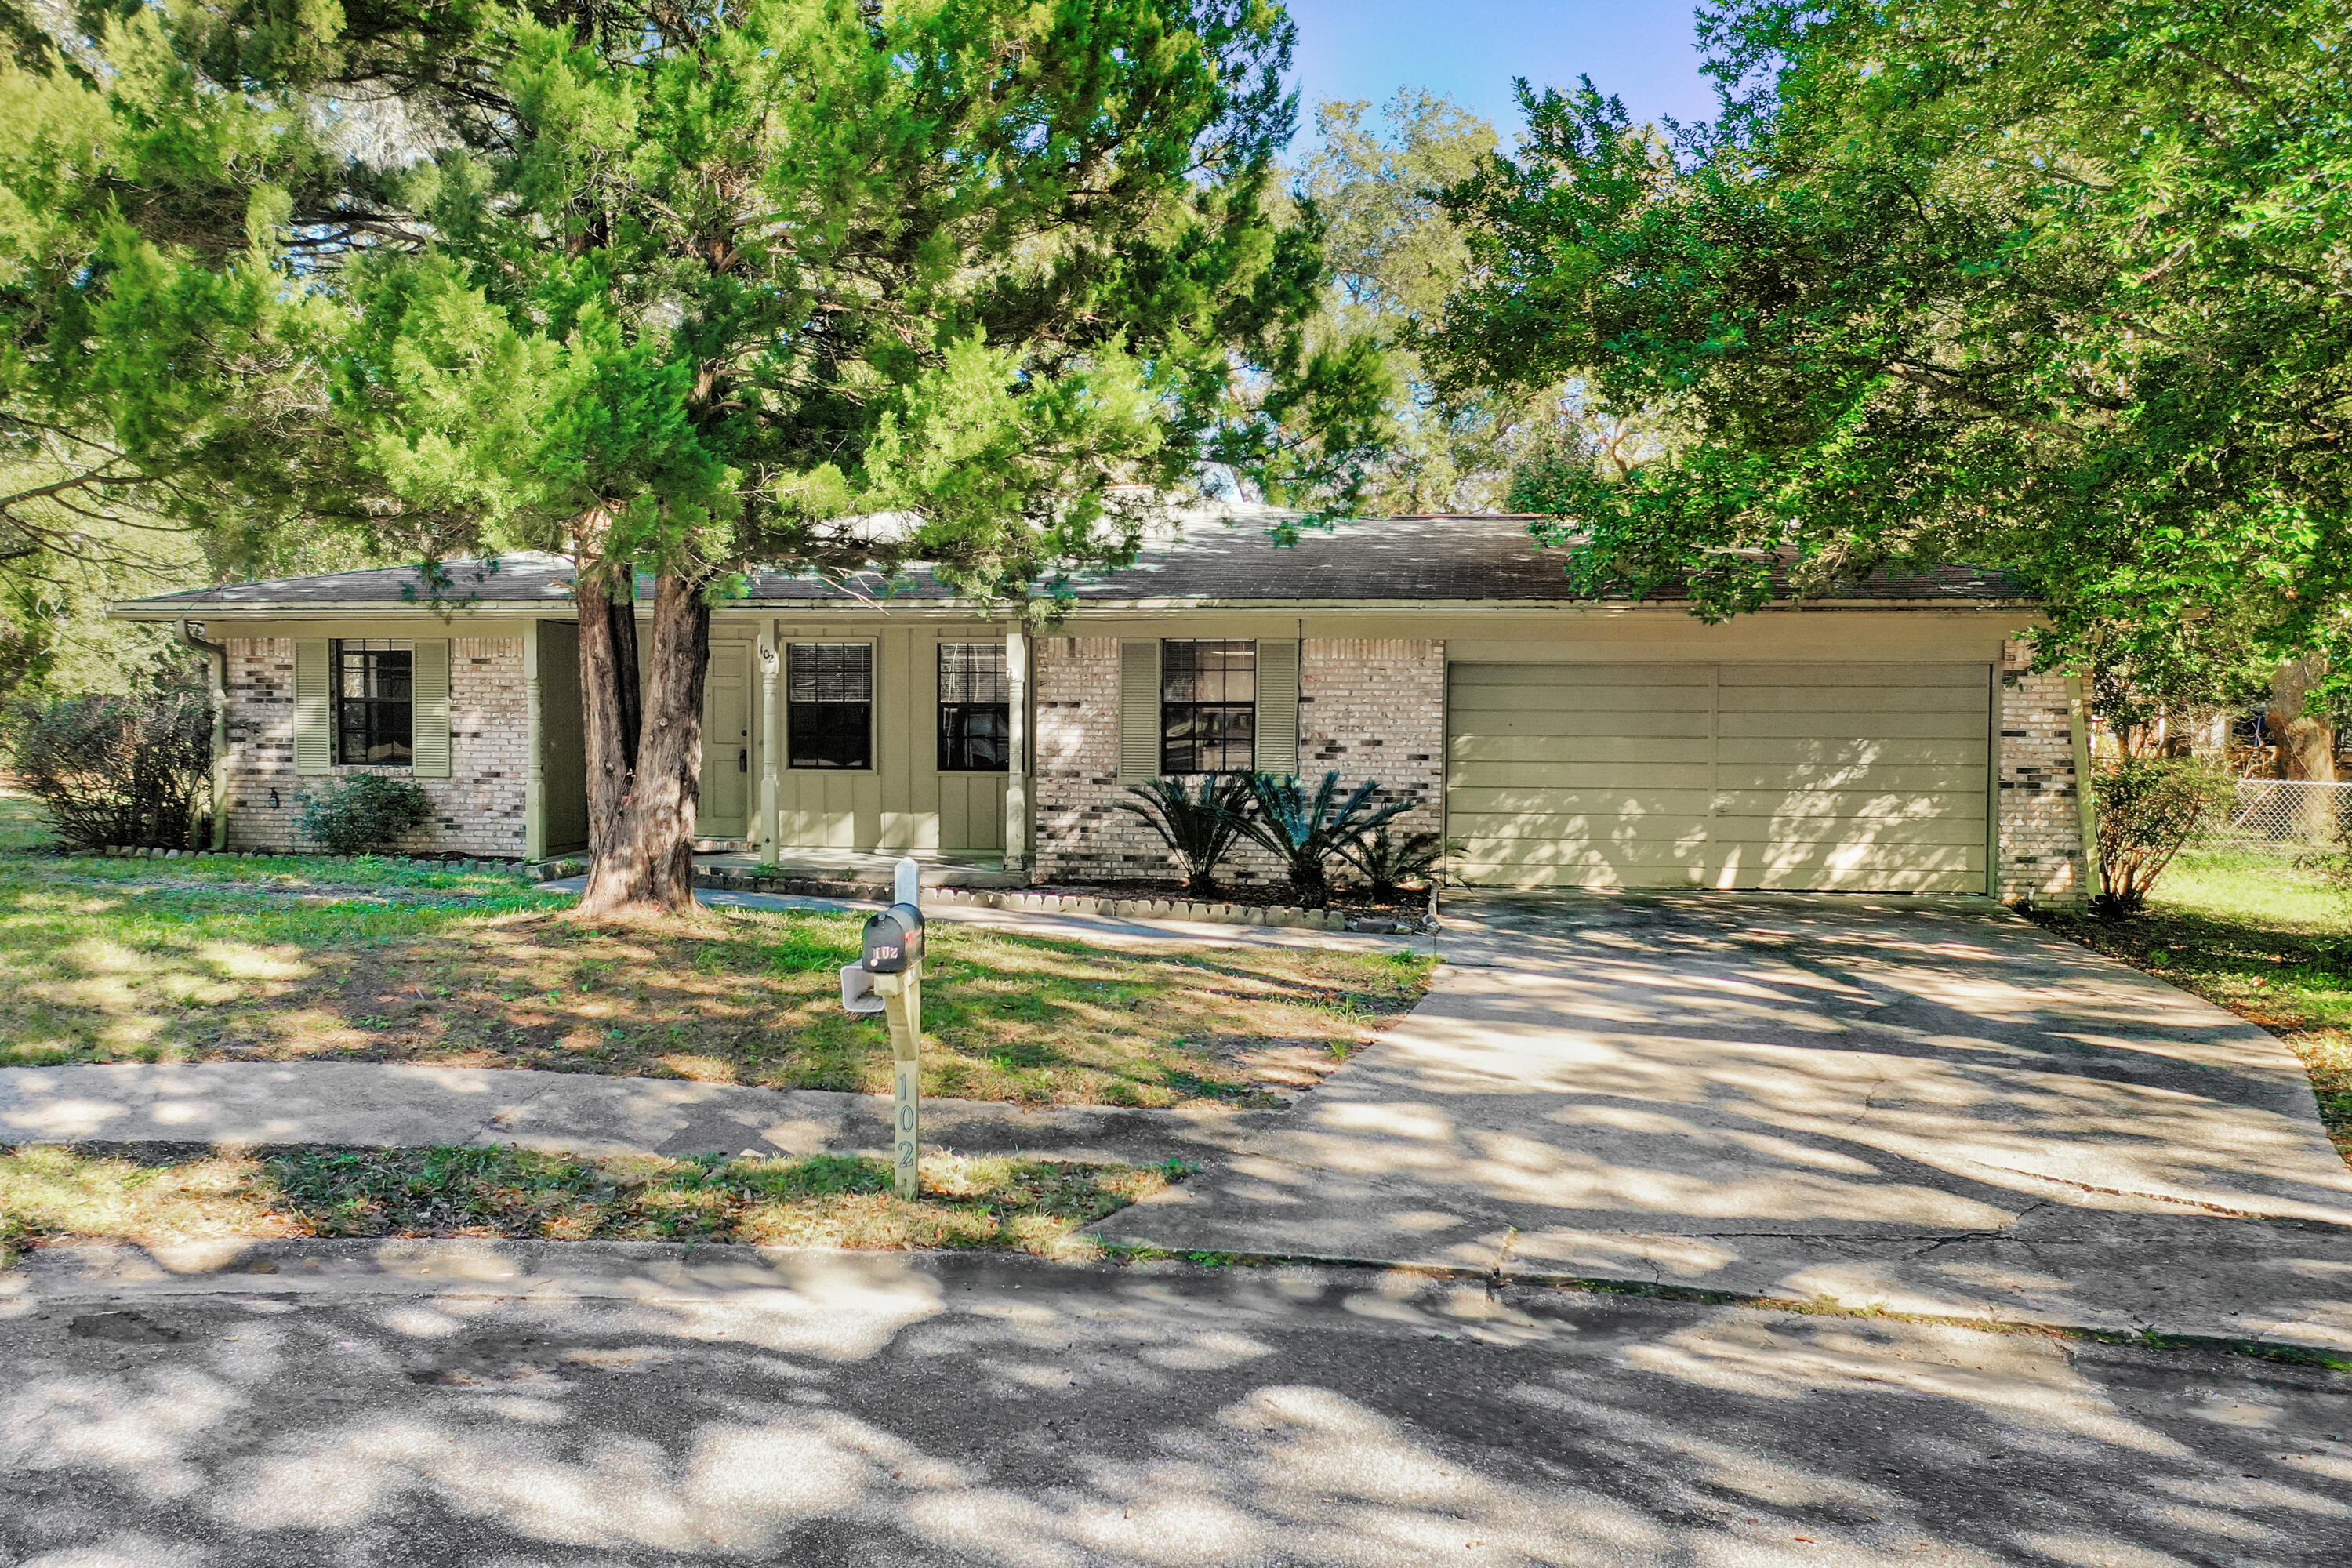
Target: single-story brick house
<point>1887,740</point>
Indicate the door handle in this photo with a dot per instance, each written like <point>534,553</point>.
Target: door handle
<point>743,759</point>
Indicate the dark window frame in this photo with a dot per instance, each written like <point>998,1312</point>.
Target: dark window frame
<point>975,703</point>
<point>371,682</point>
<point>1208,706</point>
<point>831,727</point>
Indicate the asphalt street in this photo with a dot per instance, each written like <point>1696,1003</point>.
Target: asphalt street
<point>830,1408</point>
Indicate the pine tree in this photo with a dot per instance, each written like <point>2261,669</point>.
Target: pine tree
<point>677,289</point>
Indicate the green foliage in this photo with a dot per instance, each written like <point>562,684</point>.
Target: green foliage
<point>2058,288</point>
<point>1388,863</point>
<point>679,289</point>
<point>366,814</point>
<point>2144,672</point>
<point>1198,828</point>
<point>1395,256</point>
<point>116,768</point>
<point>2149,809</point>
<point>1307,832</point>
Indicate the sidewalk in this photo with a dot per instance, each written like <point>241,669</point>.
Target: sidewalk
<point>390,1105</point>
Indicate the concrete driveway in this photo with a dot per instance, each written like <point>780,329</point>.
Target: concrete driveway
<point>1926,1105</point>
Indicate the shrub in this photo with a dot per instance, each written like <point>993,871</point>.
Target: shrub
<point>1306,832</point>
<point>1388,863</point>
<point>366,814</point>
<point>2148,808</point>
<point>117,770</point>
<point>1201,828</point>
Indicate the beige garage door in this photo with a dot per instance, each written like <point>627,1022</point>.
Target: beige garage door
<point>1863,776</point>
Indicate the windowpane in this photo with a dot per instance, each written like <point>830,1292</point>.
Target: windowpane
<point>374,713</point>
<point>975,708</point>
<point>1208,707</point>
<point>971,672</point>
<point>829,705</point>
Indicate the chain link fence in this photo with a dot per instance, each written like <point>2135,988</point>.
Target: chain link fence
<point>2285,817</point>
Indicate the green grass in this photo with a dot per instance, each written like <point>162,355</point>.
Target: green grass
<point>299,958</point>
<point>2271,943</point>
<point>52,1194</point>
<point>22,826</point>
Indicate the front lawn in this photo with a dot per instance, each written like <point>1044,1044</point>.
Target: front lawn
<point>52,1194</point>
<point>2270,942</point>
<point>304,959</point>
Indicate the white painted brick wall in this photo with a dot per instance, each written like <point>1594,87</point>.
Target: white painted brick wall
<point>478,810</point>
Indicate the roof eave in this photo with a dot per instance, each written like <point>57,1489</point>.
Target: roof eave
<point>150,610</point>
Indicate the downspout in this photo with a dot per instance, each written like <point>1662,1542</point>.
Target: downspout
<point>215,698</point>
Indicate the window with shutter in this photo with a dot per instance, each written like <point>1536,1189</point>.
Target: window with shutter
<point>1139,711</point>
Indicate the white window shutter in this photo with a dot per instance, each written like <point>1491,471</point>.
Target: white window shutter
<point>429,686</point>
<point>1277,708</point>
<point>314,722</point>
<point>1139,711</point>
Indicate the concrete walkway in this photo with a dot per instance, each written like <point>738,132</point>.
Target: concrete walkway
<point>390,1105</point>
<point>1928,1105</point>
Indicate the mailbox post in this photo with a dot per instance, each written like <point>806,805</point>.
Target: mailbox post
<point>888,979</point>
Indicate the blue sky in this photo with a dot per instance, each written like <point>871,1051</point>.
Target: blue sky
<point>1468,50</point>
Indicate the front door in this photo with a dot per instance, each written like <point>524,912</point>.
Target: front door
<point>725,744</point>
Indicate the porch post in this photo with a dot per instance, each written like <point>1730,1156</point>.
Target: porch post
<point>1017,858</point>
<point>534,795</point>
<point>771,740</point>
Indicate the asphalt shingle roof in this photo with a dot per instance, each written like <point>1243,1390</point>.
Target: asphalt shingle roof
<point>1381,560</point>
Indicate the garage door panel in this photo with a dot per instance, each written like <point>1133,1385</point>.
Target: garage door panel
<point>1858,805</point>
<point>1826,751</point>
<point>1653,751</point>
<point>1470,679</point>
<point>1486,800</point>
<point>1792,778</point>
<point>1578,828</point>
<point>1856,700</point>
<point>1634,726</point>
<point>1620,776</point>
<point>1963,678</point>
<point>1775,837</point>
<point>1770,831</point>
<point>1652,863</point>
<point>1864,776</point>
<point>1604,700</point>
<point>1842,726</point>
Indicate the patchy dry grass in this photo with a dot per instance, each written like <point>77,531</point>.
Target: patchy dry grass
<point>50,1194</point>
<point>172,961</point>
<point>2270,942</point>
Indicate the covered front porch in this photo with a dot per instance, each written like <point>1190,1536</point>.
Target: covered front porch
<point>832,747</point>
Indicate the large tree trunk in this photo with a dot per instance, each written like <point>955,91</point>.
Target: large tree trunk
<point>2306,745</point>
<point>609,709</point>
<point>643,853</point>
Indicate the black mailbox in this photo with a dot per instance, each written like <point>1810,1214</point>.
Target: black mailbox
<point>894,939</point>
